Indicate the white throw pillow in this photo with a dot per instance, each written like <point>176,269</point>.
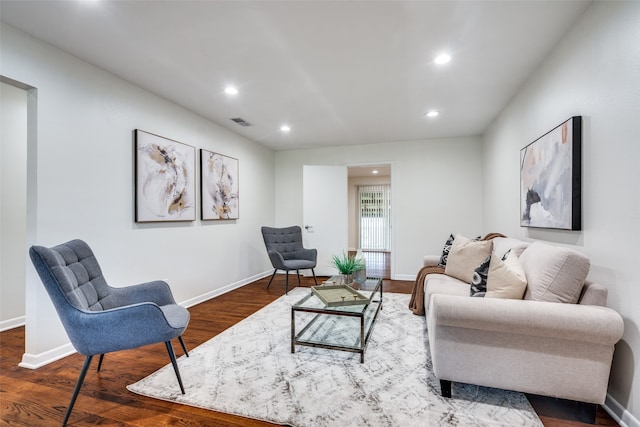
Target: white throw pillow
<point>506,279</point>
<point>465,256</point>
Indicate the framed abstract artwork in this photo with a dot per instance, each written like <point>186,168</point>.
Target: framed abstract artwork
<point>550,178</point>
<point>218,186</point>
<point>165,179</point>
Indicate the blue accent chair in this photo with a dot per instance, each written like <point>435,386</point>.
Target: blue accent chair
<point>101,319</point>
<point>284,246</point>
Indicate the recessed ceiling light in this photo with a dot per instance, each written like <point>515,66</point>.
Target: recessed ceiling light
<point>432,113</point>
<point>374,172</point>
<point>285,128</point>
<point>443,58</point>
<point>231,90</point>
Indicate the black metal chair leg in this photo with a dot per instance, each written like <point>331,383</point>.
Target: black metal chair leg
<point>286,289</point>
<point>172,356</point>
<point>184,347</point>
<point>83,373</point>
<point>314,277</point>
<point>298,273</point>
<point>272,276</point>
<point>100,362</point>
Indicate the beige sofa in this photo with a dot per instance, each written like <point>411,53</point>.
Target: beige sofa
<point>558,340</point>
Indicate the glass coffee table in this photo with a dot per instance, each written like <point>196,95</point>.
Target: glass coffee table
<point>337,327</point>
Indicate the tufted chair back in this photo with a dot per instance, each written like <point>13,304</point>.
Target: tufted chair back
<point>286,241</point>
<point>77,277</point>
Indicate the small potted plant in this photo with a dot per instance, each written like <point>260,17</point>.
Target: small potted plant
<point>347,265</point>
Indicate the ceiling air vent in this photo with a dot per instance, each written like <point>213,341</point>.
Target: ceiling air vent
<point>241,121</point>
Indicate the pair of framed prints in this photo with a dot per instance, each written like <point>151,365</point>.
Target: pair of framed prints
<point>165,177</point>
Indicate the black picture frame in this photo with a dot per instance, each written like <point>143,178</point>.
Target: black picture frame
<point>551,178</point>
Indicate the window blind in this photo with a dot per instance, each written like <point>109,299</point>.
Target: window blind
<point>374,213</point>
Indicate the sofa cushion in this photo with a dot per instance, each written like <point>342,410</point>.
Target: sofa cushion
<point>465,256</point>
<point>506,278</point>
<point>443,284</point>
<point>445,251</point>
<point>554,273</point>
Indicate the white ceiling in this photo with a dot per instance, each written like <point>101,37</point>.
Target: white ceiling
<point>369,171</point>
<point>338,72</point>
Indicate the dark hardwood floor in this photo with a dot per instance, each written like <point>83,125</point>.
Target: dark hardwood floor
<point>39,397</point>
<point>378,263</point>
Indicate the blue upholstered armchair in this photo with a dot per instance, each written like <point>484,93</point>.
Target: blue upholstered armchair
<point>284,246</point>
<point>99,318</point>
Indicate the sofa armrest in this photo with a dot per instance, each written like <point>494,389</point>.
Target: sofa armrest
<point>593,294</point>
<point>593,324</point>
<point>431,260</point>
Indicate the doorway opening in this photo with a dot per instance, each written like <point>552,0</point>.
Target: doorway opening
<point>370,222</point>
<point>374,217</point>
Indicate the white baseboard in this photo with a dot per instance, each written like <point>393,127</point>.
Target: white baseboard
<point>408,277</point>
<point>35,361</point>
<point>619,413</point>
<point>5,325</point>
<point>223,290</point>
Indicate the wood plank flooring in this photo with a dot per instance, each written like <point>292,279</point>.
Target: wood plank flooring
<point>39,397</point>
<point>378,263</point>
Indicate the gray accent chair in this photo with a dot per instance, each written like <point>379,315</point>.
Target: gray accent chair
<point>99,318</point>
<point>284,246</point>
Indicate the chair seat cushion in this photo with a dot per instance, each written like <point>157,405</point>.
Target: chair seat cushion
<point>299,264</point>
<point>177,316</point>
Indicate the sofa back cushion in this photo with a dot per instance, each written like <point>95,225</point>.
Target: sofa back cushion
<point>502,245</point>
<point>554,273</point>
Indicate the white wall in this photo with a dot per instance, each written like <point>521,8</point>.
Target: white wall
<point>593,72</point>
<point>84,187</point>
<point>13,205</point>
<point>436,185</point>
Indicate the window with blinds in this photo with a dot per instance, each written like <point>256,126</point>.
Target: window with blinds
<point>374,216</point>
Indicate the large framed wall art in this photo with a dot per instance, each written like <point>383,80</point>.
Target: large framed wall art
<point>550,178</point>
<point>218,186</point>
<point>165,179</point>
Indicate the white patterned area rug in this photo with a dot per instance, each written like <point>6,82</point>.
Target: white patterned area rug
<point>249,370</point>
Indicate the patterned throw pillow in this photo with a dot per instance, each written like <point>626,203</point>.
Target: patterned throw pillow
<point>445,251</point>
<point>479,280</point>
